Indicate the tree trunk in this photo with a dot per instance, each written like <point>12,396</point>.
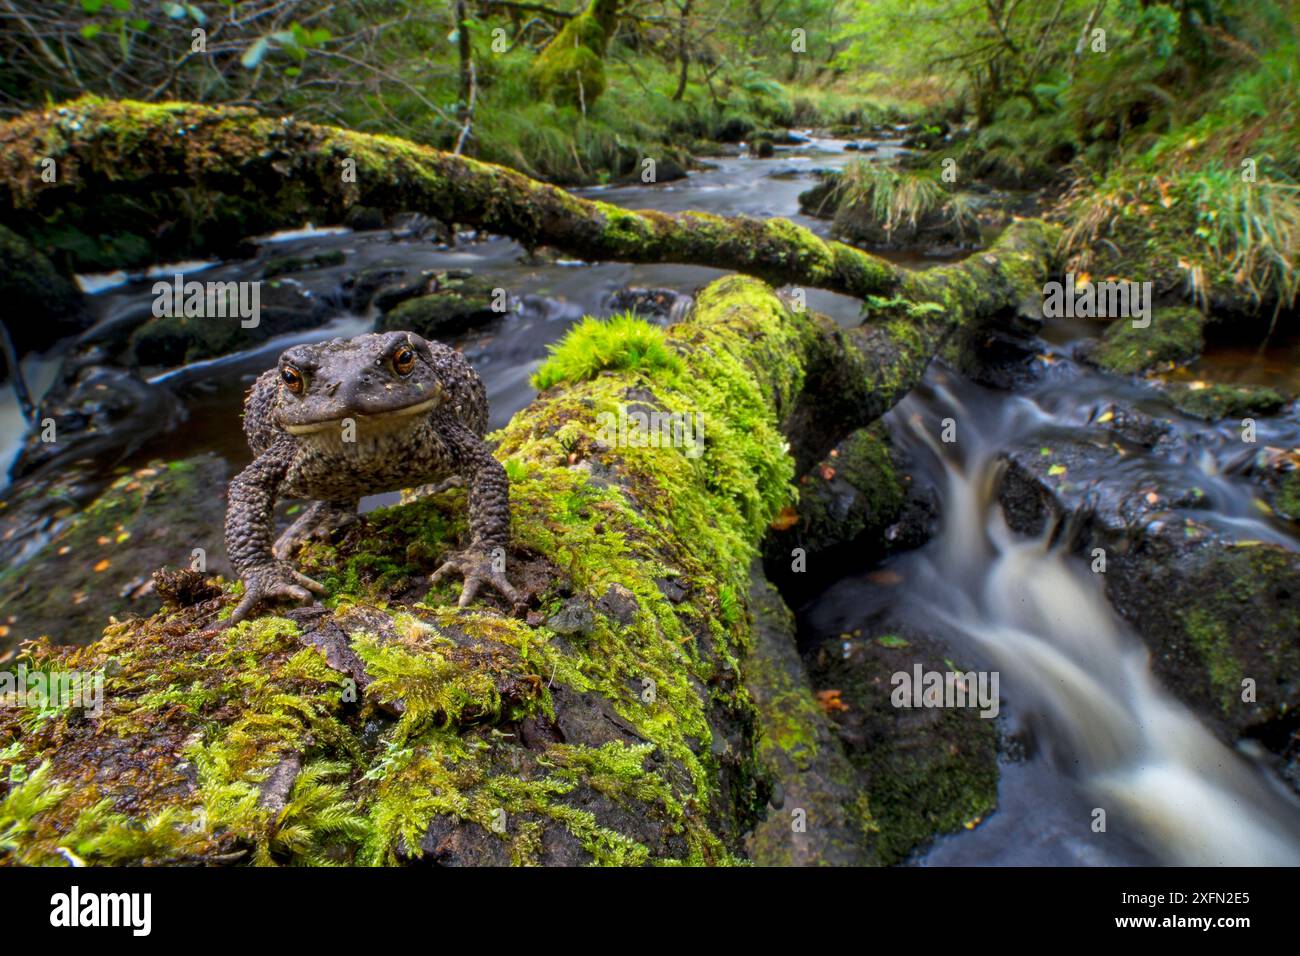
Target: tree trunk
<point>611,722</point>
<point>683,56</point>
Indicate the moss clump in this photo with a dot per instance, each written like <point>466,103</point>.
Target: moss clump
<point>1216,402</point>
<point>1174,336</point>
<point>620,342</point>
<point>571,70</point>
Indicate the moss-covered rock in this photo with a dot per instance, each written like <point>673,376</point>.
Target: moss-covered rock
<point>857,503</point>
<point>1286,496</point>
<point>1173,337</point>
<point>457,306</point>
<point>173,340</point>
<point>924,770</point>
<point>1213,611</point>
<point>1220,401</point>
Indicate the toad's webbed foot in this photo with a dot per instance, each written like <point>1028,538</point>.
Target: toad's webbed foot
<point>478,568</point>
<point>320,520</point>
<point>274,580</point>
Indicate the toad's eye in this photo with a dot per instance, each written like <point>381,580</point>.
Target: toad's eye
<point>404,360</point>
<point>292,378</point>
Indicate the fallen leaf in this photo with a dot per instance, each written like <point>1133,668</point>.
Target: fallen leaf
<point>829,701</point>
<point>787,517</point>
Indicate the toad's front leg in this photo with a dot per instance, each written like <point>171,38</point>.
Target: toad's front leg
<point>489,520</point>
<point>250,522</point>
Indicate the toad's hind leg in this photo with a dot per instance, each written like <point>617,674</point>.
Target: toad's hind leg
<point>320,520</point>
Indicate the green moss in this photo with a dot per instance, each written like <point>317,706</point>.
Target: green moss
<point>596,345</point>
<point>1217,402</point>
<point>1210,637</point>
<point>1287,499</point>
<point>1174,336</point>
<point>441,315</point>
<point>571,70</point>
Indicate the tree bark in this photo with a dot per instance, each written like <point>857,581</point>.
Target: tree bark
<point>683,55</point>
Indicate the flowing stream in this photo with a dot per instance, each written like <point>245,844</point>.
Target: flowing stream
<point>1076,681</point>
<point>1077,678</point>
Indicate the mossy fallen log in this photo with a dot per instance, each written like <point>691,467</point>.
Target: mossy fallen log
<point>102,185</point>
<point>611,723</point>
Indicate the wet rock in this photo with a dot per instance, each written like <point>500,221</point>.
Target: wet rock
<point>859,502</point>
<point>279,783</point>
<point>453,305</point>
<point>170,341</point>
<point>88,568</point>
<point>1214,611</point>
<point>666,305</point>
<point>923,770</point>
<point>284,265</point>
<point>364,218</point>
<point>761,147</point>
<point>448,843</point>
<point>385,286</point>
<point>820,199</point>
<point>619,604</point>
<point>97,413</point>
<point>856,147</point>
<point>42,305</point>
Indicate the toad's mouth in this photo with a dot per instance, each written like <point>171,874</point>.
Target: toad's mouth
<point>393,416</point>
